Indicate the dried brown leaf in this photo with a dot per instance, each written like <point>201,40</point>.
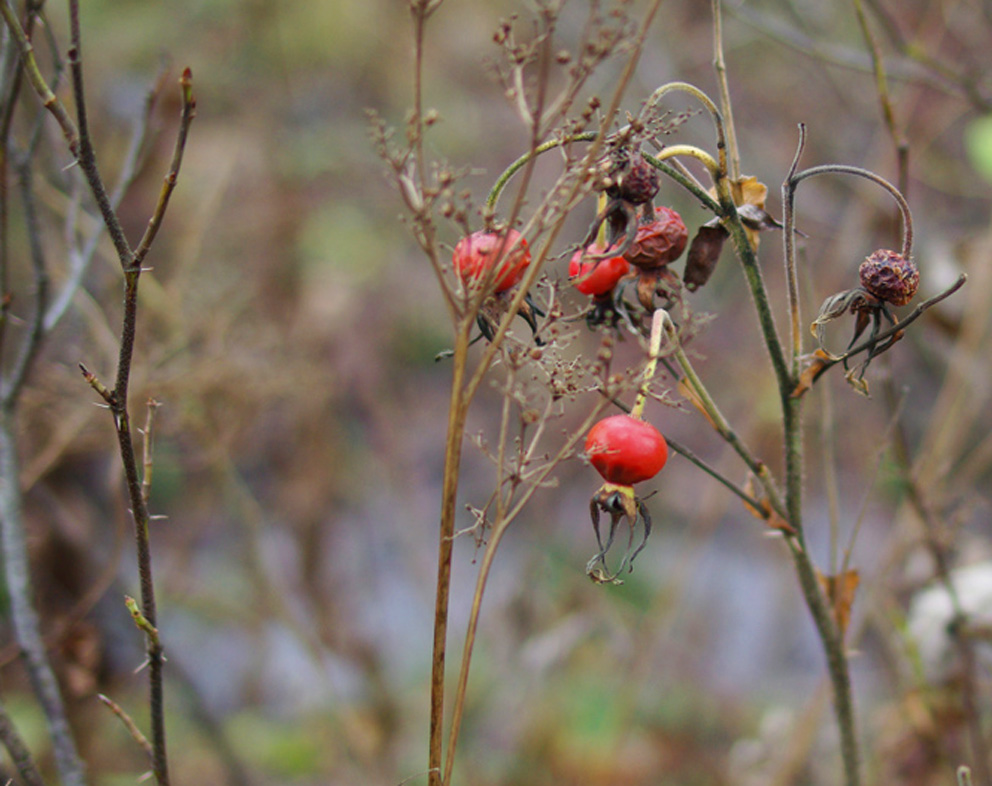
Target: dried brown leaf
<point>749,195</point>
<point>840,591</point>
<point>765,512</point>
<point>704,253</point>
<point>749,191</point>
<point>818,362</point>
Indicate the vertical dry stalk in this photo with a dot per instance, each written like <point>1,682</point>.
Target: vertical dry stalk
<point>80,144</point>
<point>781,508</point>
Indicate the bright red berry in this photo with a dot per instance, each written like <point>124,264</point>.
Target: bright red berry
<point>660,241</point>
<point>475,256</point>
<point>890,277</point>
<point>596,276</point>
<point>625,450</point>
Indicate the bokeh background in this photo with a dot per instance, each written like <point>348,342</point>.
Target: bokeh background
<point>289,330</point>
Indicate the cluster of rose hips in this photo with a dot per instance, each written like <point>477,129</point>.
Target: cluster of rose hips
<point>635,245</point>
<point>633,242</point>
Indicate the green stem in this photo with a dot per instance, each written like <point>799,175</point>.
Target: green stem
<point>526,158</point>
<point>706,101</point>
<point>716,417</point>
<point>687,183</point>
<point>837,666</point>
<point>693,152</point>
<point>830,633</point>
<point>755,281</point>
<point>720,66</point>
<point>843,169</point>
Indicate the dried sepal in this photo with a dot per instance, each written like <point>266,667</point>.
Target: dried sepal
<point>748,190</point>
<point>855,377</point>
<point>757,218</point>
<point>660,282</point>
<point>852,300</point>
<point>749,196</point>
<point>621,505</point>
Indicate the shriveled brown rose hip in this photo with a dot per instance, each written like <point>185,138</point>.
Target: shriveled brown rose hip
<point>890,277</point>
<point>660,241</point>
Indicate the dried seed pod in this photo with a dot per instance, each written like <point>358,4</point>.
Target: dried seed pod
<point>890,277</point>
<point>639,181</point>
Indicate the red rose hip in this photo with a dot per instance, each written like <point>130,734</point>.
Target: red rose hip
<point>625,450</point>
<point>596,276</point>
<point>476,254</point>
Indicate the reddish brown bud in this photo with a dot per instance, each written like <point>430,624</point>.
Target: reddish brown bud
<point>890,277</point>
<point>639,182</point>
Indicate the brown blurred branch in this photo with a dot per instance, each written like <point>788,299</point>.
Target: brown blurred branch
<point>24,616</point>
<point>913,67</point>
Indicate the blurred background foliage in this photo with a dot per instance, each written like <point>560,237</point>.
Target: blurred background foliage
<point>289,329</point>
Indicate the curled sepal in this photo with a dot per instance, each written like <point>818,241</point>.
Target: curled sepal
<point>867,310</point>
<point>621,505</point>
<point>855,377</point>
<point>856,301</point>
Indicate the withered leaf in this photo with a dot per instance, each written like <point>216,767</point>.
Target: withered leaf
<point>749,195</point>
<point>748,190</point>
<point>840,591</point>
<point>818,362</point>
<point>704,253</point>
<point>749,489</point>
<point>757,218</point>
<point>765,512</point>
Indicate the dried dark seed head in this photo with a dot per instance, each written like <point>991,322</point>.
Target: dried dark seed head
<point>639,181</point>
<point>890,277</point>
